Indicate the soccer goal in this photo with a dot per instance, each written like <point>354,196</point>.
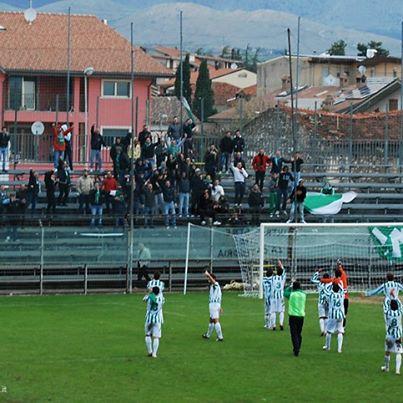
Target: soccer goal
<point>367,251</point>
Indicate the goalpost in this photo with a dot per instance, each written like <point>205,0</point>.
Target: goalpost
<point>367,251</point>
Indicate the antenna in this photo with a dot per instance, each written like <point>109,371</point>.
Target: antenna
<point>30,14</point>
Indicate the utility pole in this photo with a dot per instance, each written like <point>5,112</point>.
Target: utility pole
<point>131,229</point>
<point>68,66</point>
<point>401,104</point>
<point>181,68</point>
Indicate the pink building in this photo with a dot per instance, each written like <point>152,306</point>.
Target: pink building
<point>33,81</point>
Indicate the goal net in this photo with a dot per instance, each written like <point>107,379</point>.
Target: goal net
<point>367,251</point>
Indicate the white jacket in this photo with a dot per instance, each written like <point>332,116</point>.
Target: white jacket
<point>239,174</point>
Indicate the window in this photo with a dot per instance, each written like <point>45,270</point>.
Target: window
<point>111,133</point>
<point>22,93</point>
<point>393,104</point>
<point>116,88</point>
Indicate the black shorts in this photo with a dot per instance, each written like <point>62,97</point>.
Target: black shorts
<point>345,303</point>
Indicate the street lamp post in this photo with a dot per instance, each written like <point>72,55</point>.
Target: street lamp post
<point>89,71</point>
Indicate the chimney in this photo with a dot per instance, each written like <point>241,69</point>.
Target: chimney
<point>361,81</point>
<point>343,80</point>
<point>285,83</point>
<point>328,103</point>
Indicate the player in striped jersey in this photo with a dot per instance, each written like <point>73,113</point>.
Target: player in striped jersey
<point>267,283</point>
<point>156,282</point>
<point>323,305</point>
<point>390,289</point>
<point>336,315</point>
<point>393,340</point>
<point>214,307</point>
<point>154,320</point>
<point>277,296</point>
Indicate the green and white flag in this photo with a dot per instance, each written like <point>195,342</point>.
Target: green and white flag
<point>189,112</point>
<point>389,242</point>
<point>322,204</point>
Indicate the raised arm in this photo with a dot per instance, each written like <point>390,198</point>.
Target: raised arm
<point>208,275</point>
<point>315,278</point>
<point>375,291</point>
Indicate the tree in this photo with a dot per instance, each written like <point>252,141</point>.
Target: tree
<point>377,45</point>
<point>205,92</point>
<point>187,89</point>
<point>338,48</point>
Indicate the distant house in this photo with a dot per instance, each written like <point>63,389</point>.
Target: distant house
<point>33,83</point>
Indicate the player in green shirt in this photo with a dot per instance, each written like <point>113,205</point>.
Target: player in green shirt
<point>296,314</point>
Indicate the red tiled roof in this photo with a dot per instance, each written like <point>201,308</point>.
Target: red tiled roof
<point>171,52</point>
<point>42,46</point>
<point>223,92</point>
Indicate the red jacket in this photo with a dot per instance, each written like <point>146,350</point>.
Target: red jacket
<point>343,279</point>
<point>109,184</point>
<point>260,163</point>
<point>58,138</point>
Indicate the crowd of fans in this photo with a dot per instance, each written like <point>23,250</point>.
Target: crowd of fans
<point>167,182</point>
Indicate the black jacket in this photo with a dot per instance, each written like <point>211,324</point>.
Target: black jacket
<point>284,179</point>
<point>148,150</point>
<point>33,185</point>
<point>184,185</point>
<point>277,164</point>
<point>226,145</point>
<point>168,194</point>
<point>300,192</point>
<point>238,144</point>
<point>143,136</point>
<point>4,139</point>
<point>255,199</point>
<point>296,165</point>
<point>97,141</point>
<point>92,195</point>
<point>49,182</point>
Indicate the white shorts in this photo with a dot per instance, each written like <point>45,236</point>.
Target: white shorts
<point>214,309</point>
<point>276,305</point>
<point>334,326</point>
<point>323,310</point>
<point>392,347</point>
<point>153,329</point>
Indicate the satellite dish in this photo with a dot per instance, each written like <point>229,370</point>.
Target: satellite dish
<point>371,53</point>
<point>362,70</point>
<point>37,128</point>
<point>30,15</point>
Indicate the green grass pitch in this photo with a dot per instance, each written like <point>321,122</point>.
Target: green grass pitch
<point>91,349</point>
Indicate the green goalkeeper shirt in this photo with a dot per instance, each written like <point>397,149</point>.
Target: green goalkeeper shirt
<point>296,303</point>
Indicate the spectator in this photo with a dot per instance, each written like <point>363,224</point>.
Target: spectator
<point>217,191</point>
<point>184,195</point>
<point>22,196</point>
<point>197,187</point>
<point>260,163</point>
<point>109,187</point>
<point>84,186</point>
<point>240,176</point>
<point>64,183</point>
<point>168,192</point>
<point>238,159</point>
<point>174,130</point>
<point>97,141</point>
<point>143,135</point>
<point>115,153</point>
<point>211,162</point>
<point>226,149</point>
<point>33,189</point>
<point>4,146</point>
<point>96,201</point>
<point>138,195</point>
<point>298,197</point>
<point>14,213</point>
<point>68,152</point>
<point>256,203</point>
<point>205,207</point>
<point>59,144</point>
<point>172,168</point>
<point>296,163</point>
<point>277,163</point>
<point>119,208</point>
<point>157,181</point>
<point>221,208</point>
<point>144,259</point>
<point>148,152</point>
<point>174,148</point>
<point>135,153</point>
<point>161,152</point>
<point>149,205</point>
<point>50,185</point>
<point>273,192</point>
<point>239,143</point>
<point>188,129</point>
<point>284,180</point>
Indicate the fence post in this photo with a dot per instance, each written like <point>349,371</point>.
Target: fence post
<point>85,279</point>
<point>386,144</point>
<point>350,140</point>
<point>57,109</point>
<point>42,258</point>
<point>170,276</point>
<point>211,247</point>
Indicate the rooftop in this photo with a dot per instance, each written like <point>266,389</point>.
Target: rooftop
<point>42,46</point>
